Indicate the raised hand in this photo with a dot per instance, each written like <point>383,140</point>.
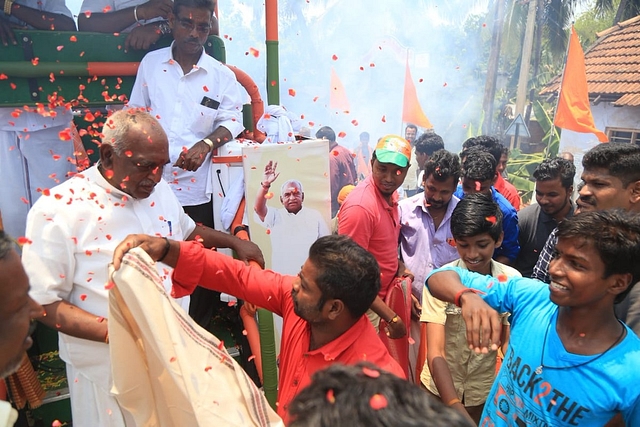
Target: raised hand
<point>270,173</point>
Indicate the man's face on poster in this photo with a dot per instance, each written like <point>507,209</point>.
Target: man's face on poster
<point>292,197</point>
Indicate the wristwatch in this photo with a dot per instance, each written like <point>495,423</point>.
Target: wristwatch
<point>394,319</point>
<point>164,28</point>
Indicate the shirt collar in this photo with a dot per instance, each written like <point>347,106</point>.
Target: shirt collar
<point>93,175</point>
<point>334,349</point>
<point>170,60</point>
<point>394,197</point>
<point>418,203</point>
<point>547,218</point>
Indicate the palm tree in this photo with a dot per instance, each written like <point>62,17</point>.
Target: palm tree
<point>626,9</point>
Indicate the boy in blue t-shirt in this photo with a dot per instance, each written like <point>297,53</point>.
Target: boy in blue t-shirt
<point>570,362</point>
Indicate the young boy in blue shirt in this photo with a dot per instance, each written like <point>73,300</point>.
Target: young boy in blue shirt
<point>570,361</point>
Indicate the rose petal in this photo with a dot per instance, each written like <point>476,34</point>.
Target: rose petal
<point>378,402</point>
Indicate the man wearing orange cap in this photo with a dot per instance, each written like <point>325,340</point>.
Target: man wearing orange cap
<point>370,217</point>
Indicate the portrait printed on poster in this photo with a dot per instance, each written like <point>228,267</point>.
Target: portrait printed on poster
<point>288,200</point>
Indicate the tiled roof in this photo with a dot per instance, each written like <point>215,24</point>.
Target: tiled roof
<point>613,66</point>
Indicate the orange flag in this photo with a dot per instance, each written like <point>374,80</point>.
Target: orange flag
<point>411,109</point>
<point>338,96</point>
<point>574,111</point>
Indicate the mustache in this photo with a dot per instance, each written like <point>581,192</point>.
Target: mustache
<point>587,200</point>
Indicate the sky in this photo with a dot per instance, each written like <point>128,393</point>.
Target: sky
<point>367,44</point>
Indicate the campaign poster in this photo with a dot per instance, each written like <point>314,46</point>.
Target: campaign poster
<point>288,201</point>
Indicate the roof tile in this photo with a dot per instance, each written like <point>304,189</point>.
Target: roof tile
<point>613,65</point>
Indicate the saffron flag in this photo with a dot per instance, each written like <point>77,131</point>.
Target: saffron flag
<point>411,109</point>
<point>574,111</point>
<point>338,96</point>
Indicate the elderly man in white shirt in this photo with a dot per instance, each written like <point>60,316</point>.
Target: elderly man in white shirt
<point>74,231</point>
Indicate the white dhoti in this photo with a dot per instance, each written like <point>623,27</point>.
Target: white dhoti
<point>167,370</point>
<point>91,405</point>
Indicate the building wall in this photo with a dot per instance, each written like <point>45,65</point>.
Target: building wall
<point>604,115</point>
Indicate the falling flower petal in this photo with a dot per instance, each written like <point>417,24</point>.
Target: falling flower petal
<point>292,92</point>
<point>378,402</point>
<point>65,135</point>
<point>330,397</point>
<point>372,373</point>
<point>24,241</point>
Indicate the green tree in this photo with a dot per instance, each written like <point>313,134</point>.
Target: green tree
<point>593,21</point>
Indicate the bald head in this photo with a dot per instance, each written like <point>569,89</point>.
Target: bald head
<point>134,151</point>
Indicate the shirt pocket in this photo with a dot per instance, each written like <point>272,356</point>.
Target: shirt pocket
<point>203,121</point>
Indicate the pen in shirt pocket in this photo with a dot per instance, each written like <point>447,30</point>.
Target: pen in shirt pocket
<point>170,229</point>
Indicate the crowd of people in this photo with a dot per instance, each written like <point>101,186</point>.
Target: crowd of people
<point>517,315</point>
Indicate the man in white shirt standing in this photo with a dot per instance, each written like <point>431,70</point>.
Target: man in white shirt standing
<point>198,102</point>
<point>74,231</point>
<point>35,143</point>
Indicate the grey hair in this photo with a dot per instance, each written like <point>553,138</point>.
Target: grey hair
<point>291,181</point>
<point>118,125</point>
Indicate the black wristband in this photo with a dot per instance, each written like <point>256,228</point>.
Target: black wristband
<point>167,246</point>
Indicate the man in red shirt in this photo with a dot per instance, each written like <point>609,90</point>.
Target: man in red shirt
<point>322,307</point>
<point>370,216</point>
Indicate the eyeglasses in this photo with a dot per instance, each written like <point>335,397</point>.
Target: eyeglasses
<point>188,25</point>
